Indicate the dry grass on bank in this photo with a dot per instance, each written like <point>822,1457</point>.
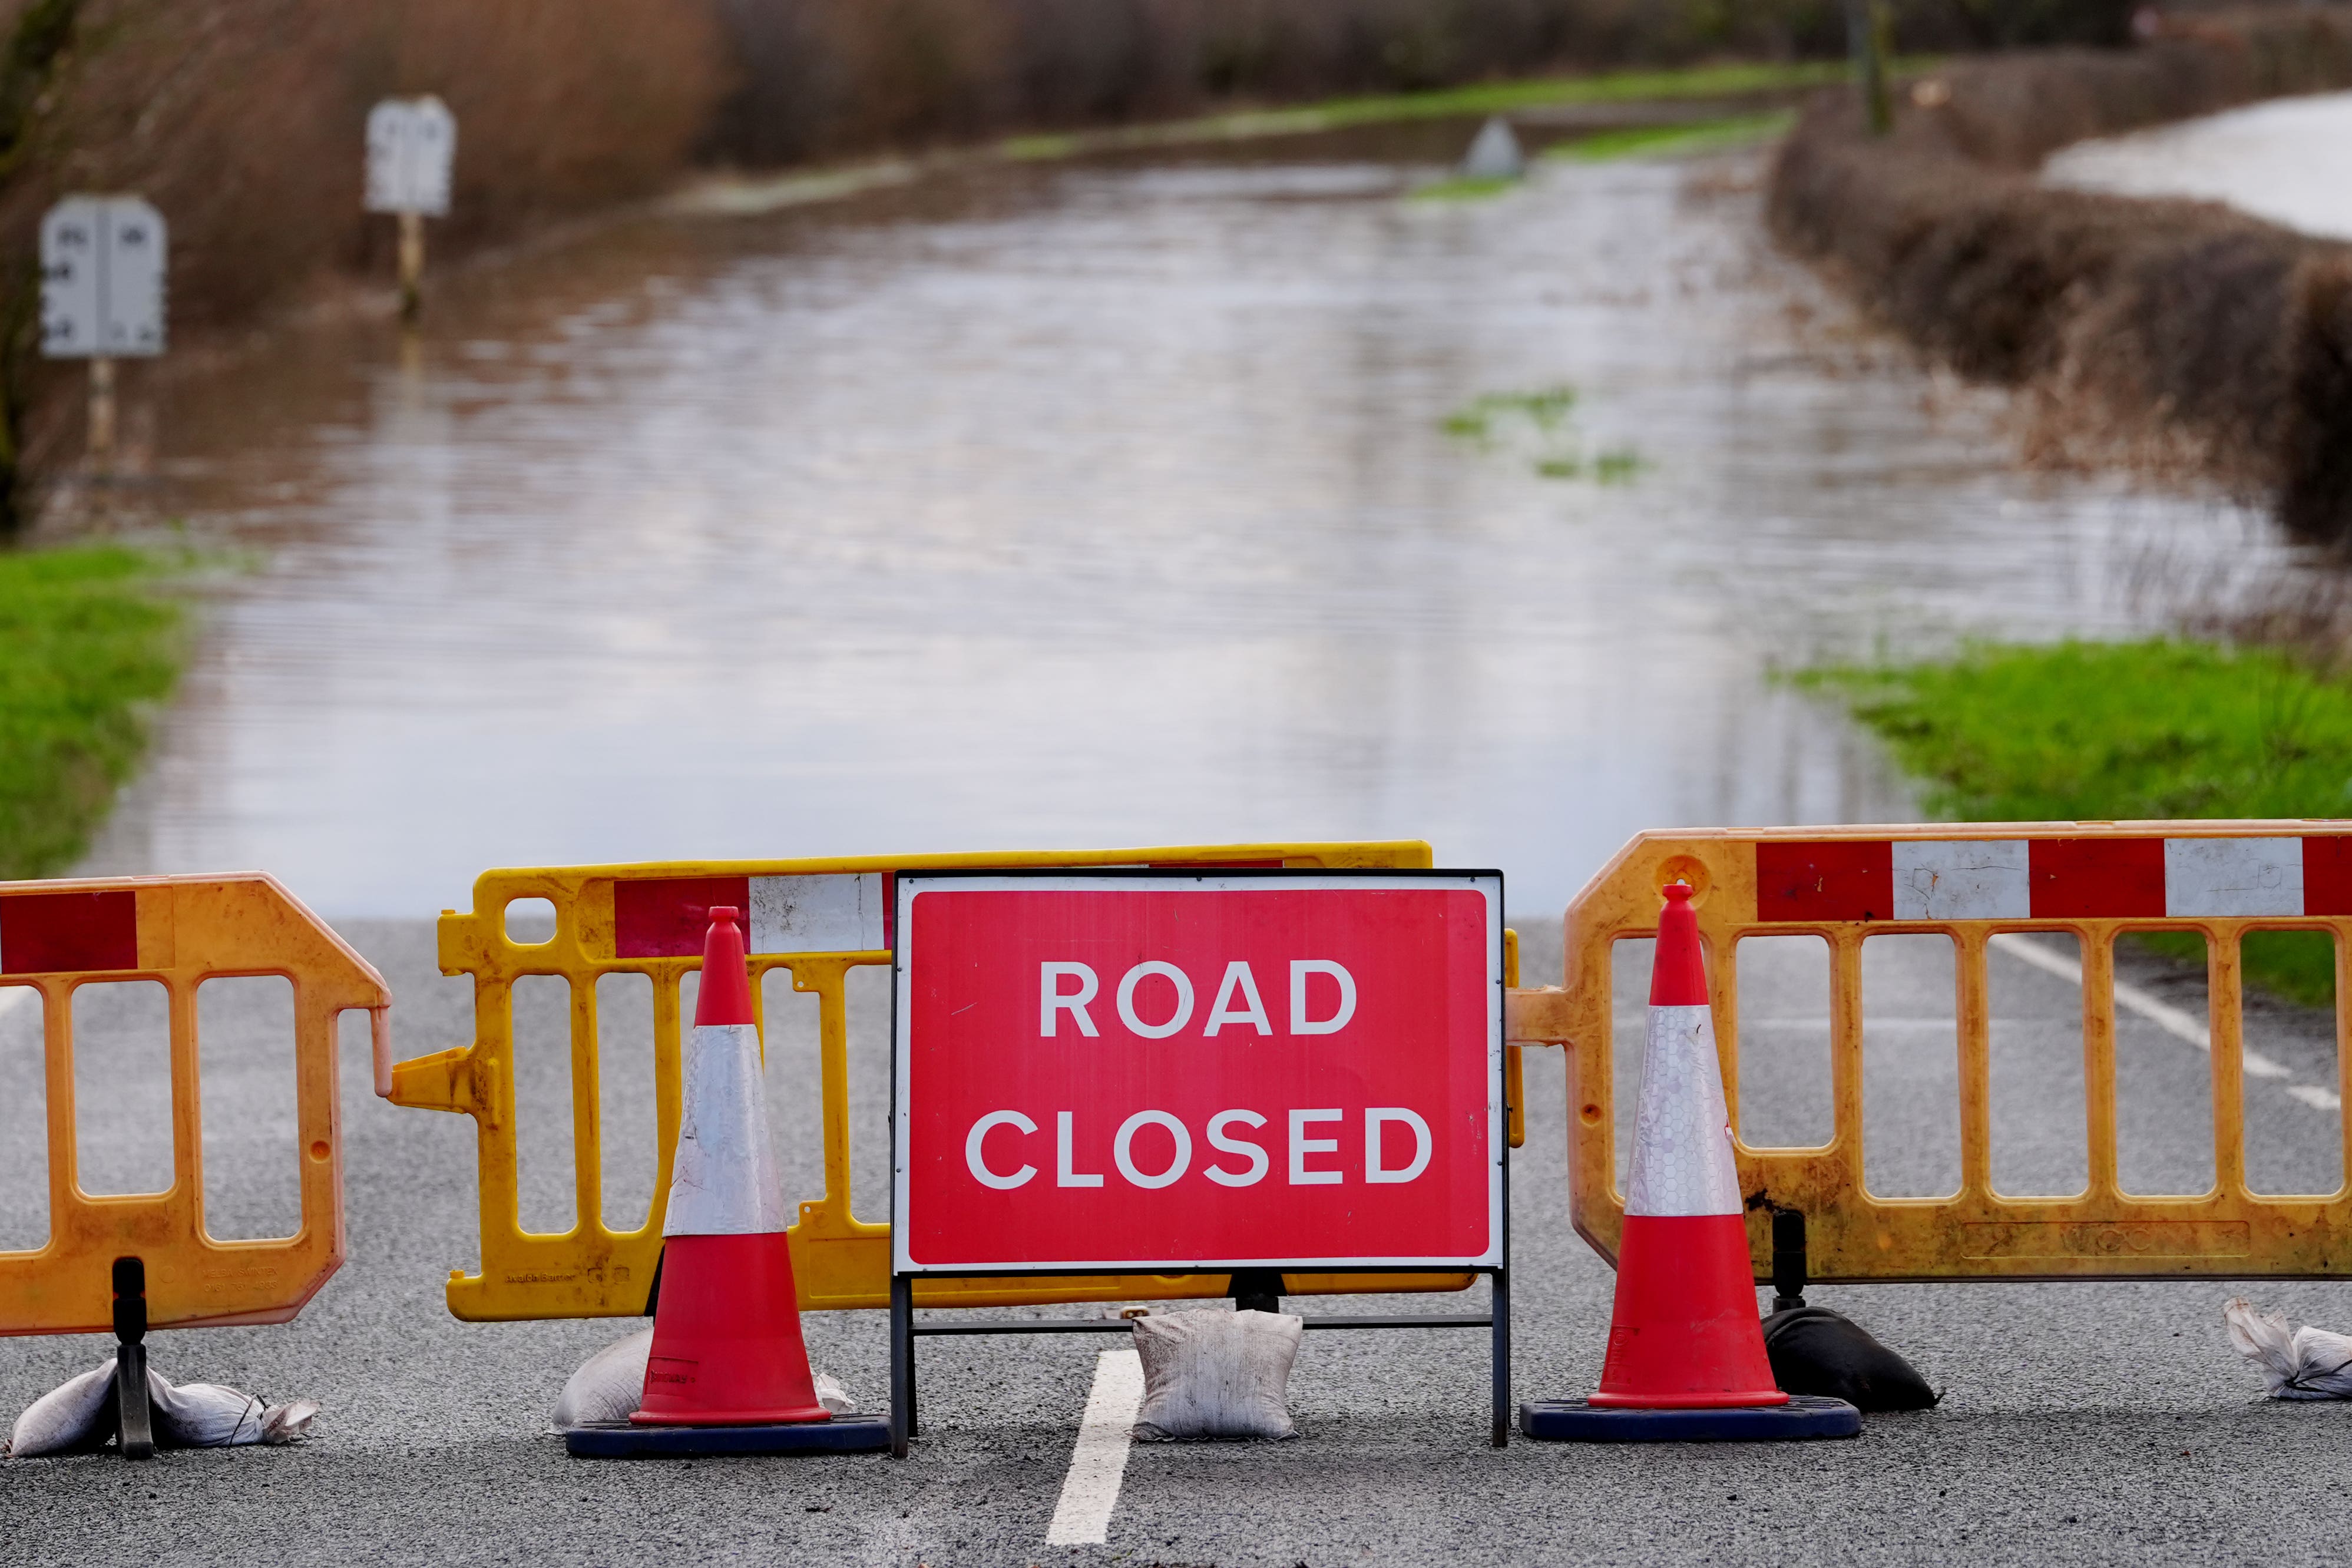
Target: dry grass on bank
<point>242,120</point>
<point>2177,334</point>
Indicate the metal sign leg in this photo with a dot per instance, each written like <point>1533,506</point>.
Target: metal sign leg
<point>902,1364</point>
<point>1502,1373</point>
<point>134,1429</point>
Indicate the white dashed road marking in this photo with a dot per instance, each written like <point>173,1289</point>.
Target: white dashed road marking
<point>2163,1014</point>
<point>1098,1463</point>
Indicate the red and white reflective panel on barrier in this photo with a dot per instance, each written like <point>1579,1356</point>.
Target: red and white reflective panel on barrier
<point>2106,877</point>
<point>667,917</point>
<point>1171,1070</point>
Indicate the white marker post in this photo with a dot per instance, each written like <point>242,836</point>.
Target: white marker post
<point>102,268</point>
<point>410,144</point>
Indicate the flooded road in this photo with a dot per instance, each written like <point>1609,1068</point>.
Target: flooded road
<point>2289,161</point>
<point>1091,505</point>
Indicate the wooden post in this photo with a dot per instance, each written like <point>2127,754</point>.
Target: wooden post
<point>1866,26</point>
<point>101,412</point>
<point>412,263</point>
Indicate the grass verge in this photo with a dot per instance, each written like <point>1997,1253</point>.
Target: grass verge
<point>1697,82</point>
<point>1674,141</point>
<point>2111,732</point>
<point>86,647</point>
<point>1466,188</point>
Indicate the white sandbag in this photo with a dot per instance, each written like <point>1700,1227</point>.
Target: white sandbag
<point>611,1384</point>
<point>1212,1374</point>
<point>72,1417</point>
<point>2297,1364</point>
<point>834,1397</point>
<point>78,1416</point>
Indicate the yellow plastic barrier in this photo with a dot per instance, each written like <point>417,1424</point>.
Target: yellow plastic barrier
<point>1972,882</point>
<point>817,919</point>
<point>180,930</point>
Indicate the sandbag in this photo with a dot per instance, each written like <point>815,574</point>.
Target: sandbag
<point>611,1384</point>
<point>78,1416</point>
<point>1815,1351</point>
<point>1216,1375</point>
<point>2296,1364</point>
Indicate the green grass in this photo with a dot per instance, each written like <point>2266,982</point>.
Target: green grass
<point>2110,731</point>
<point>86,646</point>
<point>1673,140</point>
<point>1617,86</point>
<point>1029,149</point>
<point>1695,83</point>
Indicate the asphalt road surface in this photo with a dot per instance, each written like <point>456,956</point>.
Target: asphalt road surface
<point>2080,1423</point>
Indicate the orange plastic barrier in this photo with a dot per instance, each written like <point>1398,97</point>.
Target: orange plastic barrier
<point>1981,885</point>
<point>181,932</point>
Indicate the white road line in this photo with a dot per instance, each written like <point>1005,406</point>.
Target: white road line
<point>12,997</point>
<point>2316,1097</point>
<point>2131,998</point>
<point>1098,1463</point>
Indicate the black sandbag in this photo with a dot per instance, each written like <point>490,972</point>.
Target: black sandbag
<point>1816,1351</point>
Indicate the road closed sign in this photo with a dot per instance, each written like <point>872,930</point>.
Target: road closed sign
<point>1156,1070</point>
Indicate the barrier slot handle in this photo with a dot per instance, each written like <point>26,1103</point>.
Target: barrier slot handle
<point>379,1038</point>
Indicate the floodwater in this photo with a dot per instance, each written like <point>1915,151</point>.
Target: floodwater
<point>1093,504</point>
<point>2289,160</point>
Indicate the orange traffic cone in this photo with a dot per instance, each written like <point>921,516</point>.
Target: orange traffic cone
<point>1685,1355</point>
<point>729,1372</point>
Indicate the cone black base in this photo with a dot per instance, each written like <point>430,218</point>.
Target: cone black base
<point>623,1440</point>
<point>1805,1416</point>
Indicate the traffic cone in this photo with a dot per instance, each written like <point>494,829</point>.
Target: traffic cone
<point>727,1348</point>
<point>1685,1359</point>
<point>1685,1335</point>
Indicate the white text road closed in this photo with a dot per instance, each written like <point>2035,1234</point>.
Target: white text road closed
<point>1177,1070</point>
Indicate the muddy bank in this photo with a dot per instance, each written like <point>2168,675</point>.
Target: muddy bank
<point>2176,336</point>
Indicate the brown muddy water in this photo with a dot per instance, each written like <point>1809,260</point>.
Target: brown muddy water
<point>1083,505</point>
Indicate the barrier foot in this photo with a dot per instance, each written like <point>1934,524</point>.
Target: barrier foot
<point>1788,1265</point>
<point>626,1440</point>
<point>1574,1421</point>
<point>134,1422</point>
<point>1258,1290</point>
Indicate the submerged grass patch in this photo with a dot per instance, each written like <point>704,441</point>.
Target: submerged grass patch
<point>2107,732</point>
<point>1545,408</point>
<point>1673,140</point>
<point>86,646</point>
<point>1536,422</point>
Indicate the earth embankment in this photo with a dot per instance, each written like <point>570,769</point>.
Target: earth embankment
<point>2181,336</point>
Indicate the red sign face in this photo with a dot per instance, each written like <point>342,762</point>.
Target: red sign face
<point>1198,1070</point>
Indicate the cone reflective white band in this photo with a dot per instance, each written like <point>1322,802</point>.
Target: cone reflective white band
<point>724,1180</point>
<point>1682,1133</point>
